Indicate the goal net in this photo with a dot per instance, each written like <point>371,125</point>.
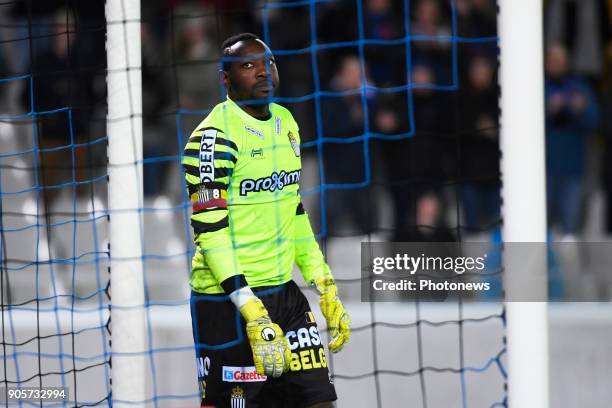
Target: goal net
<point>397,107</point>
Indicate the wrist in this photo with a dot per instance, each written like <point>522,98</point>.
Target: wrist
<point>241,296</point>
<point>325,285</point>
<point>252,309</point>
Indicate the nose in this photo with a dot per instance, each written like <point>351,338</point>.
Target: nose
<point>263,71</point>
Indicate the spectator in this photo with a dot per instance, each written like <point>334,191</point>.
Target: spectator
<point>32,21</point>
<point>435,53</point>
<point>583,28</point>
<point>199,85</point>
<point>479,152</point>
<point>425,159</point>
<point>156,99</point>
<point>482,18</point>
<point>606,130</point>
<point>430,223</point>
<point>345,163</point>
<point>286,27</point>
<point>428,20</point>
<point>386,62</point>
<point>59,84</point>
<point>62,105</point>
<point>571,114</point>
<point>476,18</point>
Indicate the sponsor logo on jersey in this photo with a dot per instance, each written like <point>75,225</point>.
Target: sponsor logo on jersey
<point>307,352</point>
<point>294,144</point>
<point>207,155</point>
<point>278,125</point>
<point>203,366</point>
<point>237,398</point>
<point>203,370</point>
<point>273,182</point>
<point>242,374</point>
<point>254,132</point>
<point>303,337</point>
<point>257,153</point>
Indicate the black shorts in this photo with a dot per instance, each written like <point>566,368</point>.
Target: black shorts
<point>226,374</point>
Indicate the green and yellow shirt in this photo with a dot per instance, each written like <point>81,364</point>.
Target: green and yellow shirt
<point>243,182</point>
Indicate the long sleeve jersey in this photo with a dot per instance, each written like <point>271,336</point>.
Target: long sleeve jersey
<point>242,178</point>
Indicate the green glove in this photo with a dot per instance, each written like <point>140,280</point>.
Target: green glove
<point>271,353</point>
<point>338,321</point>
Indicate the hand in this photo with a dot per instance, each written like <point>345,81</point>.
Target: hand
<point>338,321</point>
<point>271,354</point>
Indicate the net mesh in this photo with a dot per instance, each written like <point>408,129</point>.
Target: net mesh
<point>398,143</point>
<point>53,225</point>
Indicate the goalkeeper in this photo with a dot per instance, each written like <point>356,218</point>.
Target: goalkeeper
<point>257,342</point>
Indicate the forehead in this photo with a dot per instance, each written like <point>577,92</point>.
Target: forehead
<point>249,48</point>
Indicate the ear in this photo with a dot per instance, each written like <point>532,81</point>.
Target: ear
<point>223,75</point>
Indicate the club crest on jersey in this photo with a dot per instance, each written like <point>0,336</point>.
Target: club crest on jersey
<point>237,398</point>
<point>294,144</point>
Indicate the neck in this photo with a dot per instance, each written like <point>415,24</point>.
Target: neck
<point>261,112</point>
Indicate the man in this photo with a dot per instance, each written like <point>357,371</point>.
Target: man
<point>257,342</point>
<point>571,116</point>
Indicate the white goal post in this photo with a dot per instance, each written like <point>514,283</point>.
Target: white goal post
<point>125,199</point>
<point>520,29</point>
<point>523,192</point>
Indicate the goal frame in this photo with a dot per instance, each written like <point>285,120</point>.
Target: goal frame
<point>125,200</point>
<point>520,28</point>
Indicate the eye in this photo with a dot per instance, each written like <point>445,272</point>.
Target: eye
<point>272,62</point>
<point>247,65</point>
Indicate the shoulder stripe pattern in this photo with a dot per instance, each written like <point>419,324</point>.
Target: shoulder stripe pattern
<point>220,172</point>
<point>225,156</point>
<point>197,138</point>
<point>203,227</point>
<point>208,161</point>
<point>226,142</point>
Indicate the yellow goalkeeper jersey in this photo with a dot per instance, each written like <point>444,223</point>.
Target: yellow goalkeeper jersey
<point>242,178</point>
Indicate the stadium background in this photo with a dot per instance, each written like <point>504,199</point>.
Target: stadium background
<point>428,171</point>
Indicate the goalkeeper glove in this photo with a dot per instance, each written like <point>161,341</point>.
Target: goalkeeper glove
<point>338,321</point>
<point>271,353</point>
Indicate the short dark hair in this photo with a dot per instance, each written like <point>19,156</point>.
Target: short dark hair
<point>227,44</point>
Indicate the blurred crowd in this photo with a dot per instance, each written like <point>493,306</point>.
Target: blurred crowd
<point>411,127</point>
